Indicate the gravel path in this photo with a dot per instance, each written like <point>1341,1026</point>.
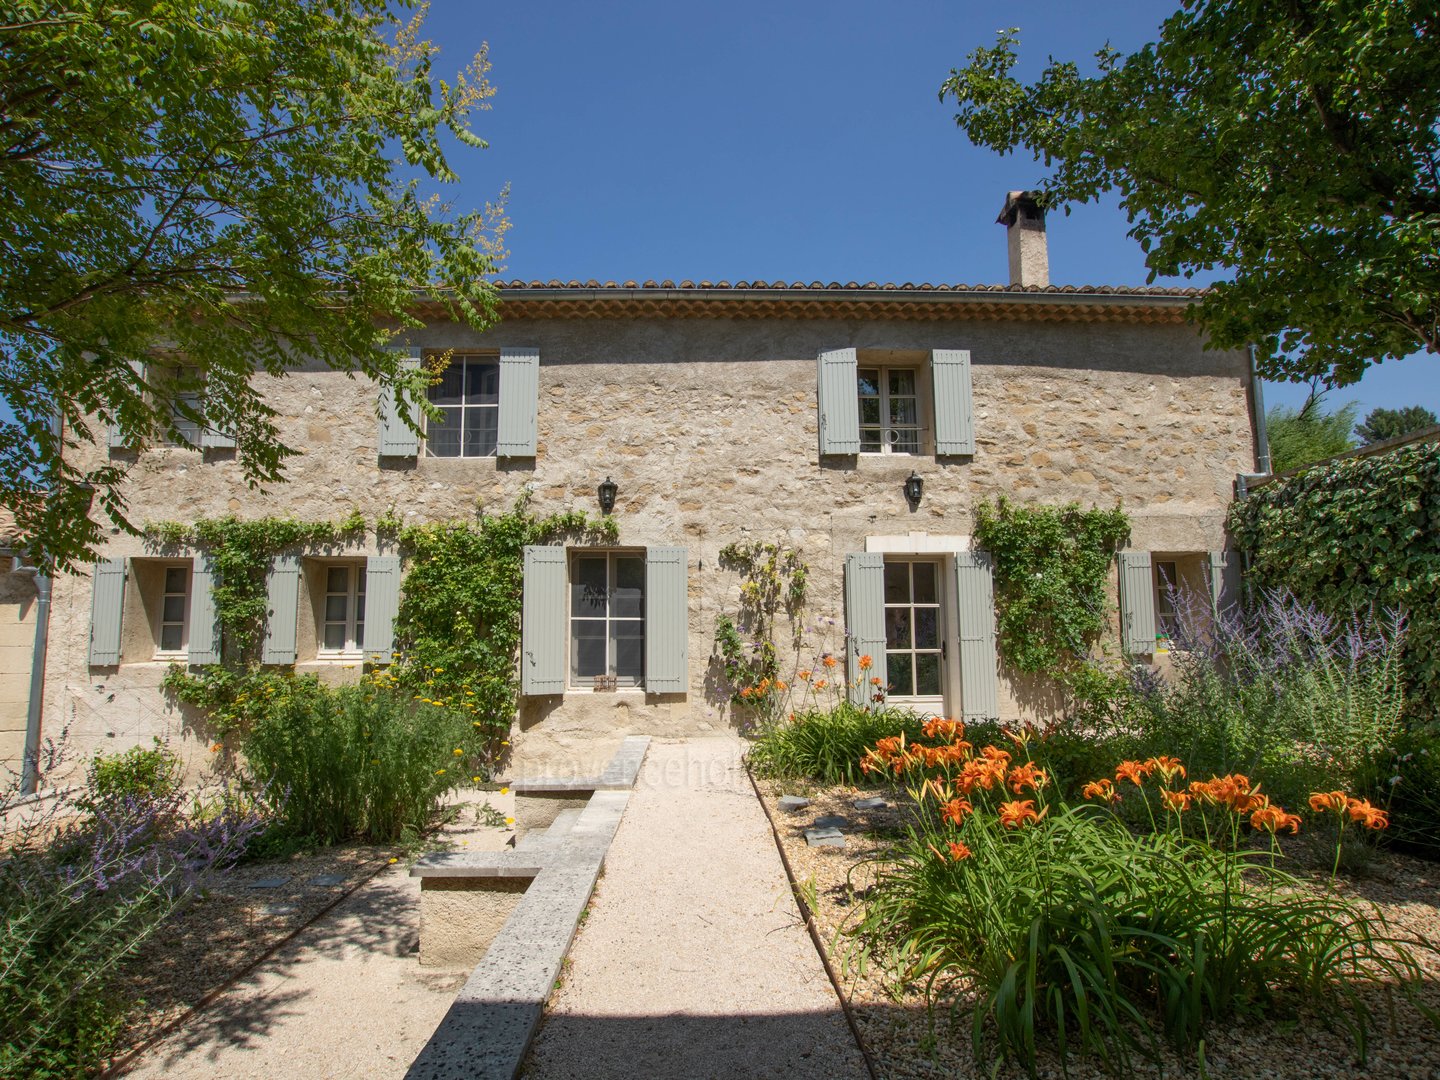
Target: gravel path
<point>693,961</point>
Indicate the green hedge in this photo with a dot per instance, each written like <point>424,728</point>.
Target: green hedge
<point>1356,533</point>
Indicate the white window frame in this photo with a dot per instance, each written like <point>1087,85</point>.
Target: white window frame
<point>943,619</point>
<point>160,623</point>
<point>189,431</point>
<point>354,621</point>
<point>573,681</point>
<point>922,408</point>
<point>465,408</point>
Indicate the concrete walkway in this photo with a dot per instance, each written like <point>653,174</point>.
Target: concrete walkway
<point>693,961</point>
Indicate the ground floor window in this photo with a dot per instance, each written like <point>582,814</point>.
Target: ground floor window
<point>342,628</point>
<point>172,626</point>
<point>914,630</point>
<point>607,618</point>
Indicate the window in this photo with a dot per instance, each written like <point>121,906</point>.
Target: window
<point>1167,582</point>
<point>468,394</point>
<point>914,636</point>
<point>185,386</point>
<point>607,618</point>
<point>889,410</point>
<point>172,629</point>
<point>342,615</point>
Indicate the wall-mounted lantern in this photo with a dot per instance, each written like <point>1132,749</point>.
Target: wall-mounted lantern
<point>608,490</point>
<point>914,488</point>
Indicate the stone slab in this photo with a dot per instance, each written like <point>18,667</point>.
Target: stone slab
<point>870,804</point>
<point>268,883</point>
<point>830,821</point>
<point>327,881</point>
<point>792,803</point>
<point>824,838</point>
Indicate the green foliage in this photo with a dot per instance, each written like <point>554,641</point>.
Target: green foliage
<point>1291,151</point>
<point>226,187</point>
<point>1300,438</point>
<point>1052,566</point>
<point>458,629</point>
<point>773,578</point>
<point>138,773</point>
<point>1357,535</point>
<point>241,552</point>
<point>1383,424</point>
<point>1058,924</point>
<point>826,744</point>
<point>366,762</point>
<point>1404,778</point>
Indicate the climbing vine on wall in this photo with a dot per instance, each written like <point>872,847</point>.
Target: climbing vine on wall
<point>773,579</point>
<point>1052,567</point>
<point>1357,534</point>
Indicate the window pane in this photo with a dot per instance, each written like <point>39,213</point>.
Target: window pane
<point>170,639</point>
<point>870,440</point>
<point>897,628</point>
<point>898,671</point>
<point>897,583</point>
<point>927,674</point>
<point>587,648</point>
<point>902,382</point>
<point>870,411</point>
<point>174,610</point>
<point>628,600</point>
<point>628,642</point>
<point>481,427</point>
<point>924,583</point>
<point>335,636</point>
<point>927,628</point>
<point>482,383</point>
<point>175,578</point>
<point>337,579</point>
<point>905,442</point>
<point>360,604</point>
<point>902,412</point>
<point>451,387</point>
<point>335,608</point>
<point>443,435</point>
<point>587,587</point>
<point>867,382</point>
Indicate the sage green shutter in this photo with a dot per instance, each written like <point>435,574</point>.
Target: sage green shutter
<point>839,403</point>
<point>975,599</point>
<point>213,439</point>
<point>519,397</point>
<point>864,621</point>
<point>954,410</point>
<point>667,621</point>
<point>1137,603</point>
<point>1224,581</point>
<point>118,440</point>
<point>543,622</point>
<point>382,604</point>
<point>396,437</point>
<point>282,592</point>
<point>204,626</point>
<point>107,609</point>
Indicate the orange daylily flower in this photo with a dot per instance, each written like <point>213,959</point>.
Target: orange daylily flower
<point>1332,801</point>
<point>1178,801</point>
<point>865,662</point>
<point>1101,789</point>
<point>1134,771</point>
<point>803,673</point>
<point>939,728</point>
<point>1027,775</point>
<point>875,680</point>
<point>959,851</point>
<point>1372,817</point>
<point>1272,818</point>
<point>1015,814</point>
<point>829,661</point>
<point>1167,767</point>
<point>956,810</point>
<point>938,788</point>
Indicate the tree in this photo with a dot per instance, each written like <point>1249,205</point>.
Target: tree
<point>1294,146</point>
<point>199,189</point>
<point>1303,437</point>
<point>1382,424</point>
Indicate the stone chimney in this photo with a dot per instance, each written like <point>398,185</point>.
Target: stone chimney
<point>1024,221</point>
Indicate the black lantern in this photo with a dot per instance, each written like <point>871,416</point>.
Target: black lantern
<point>914,488</point>
<point>608,490</point>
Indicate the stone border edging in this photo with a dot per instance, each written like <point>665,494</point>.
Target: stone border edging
<point>489,1027</point>
<point>810,925</point>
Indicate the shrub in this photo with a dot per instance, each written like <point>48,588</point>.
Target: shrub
<point>367,762</point>
<point>826,744</point>
<point>78,896</point>
<point>138,773</point>
<point>1404,777</point>
<point>1287,692</point>
<point>1066,924</point>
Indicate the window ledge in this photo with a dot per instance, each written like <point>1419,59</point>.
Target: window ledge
<point>633,691</point>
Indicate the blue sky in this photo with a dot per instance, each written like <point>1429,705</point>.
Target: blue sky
<point>799,141</point>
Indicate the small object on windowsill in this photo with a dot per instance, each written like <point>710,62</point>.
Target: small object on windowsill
<point>605,684</point>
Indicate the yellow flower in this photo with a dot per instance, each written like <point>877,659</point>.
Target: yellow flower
<point>439,772</point>
<point>394,861</point>
<point>504,791</point>
<point>504,742</point>
<point>474,779</point>
<point>509,821</point>
<point>458,752</point>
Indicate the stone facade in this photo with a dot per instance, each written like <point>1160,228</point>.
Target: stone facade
<point>708,425</point>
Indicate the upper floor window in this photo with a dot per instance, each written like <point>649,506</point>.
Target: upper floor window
<point>889,400</point>
<point>468,395</point>
<point>607,618</point>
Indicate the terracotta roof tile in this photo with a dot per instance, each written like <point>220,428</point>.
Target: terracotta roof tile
<point>870,286</point>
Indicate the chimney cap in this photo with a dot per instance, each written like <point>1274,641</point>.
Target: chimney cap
<point>1016,201</point>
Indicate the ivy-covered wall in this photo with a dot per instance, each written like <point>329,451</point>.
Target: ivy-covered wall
<point>1356,533</point>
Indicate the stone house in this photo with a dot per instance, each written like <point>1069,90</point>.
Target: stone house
<point>788,413</point>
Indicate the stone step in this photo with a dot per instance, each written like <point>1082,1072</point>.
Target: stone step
<point>552,837</point>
